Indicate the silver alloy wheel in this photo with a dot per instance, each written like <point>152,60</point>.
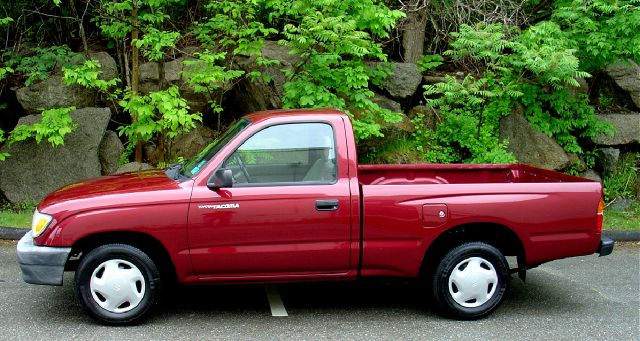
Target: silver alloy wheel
<point>473,282</point>
<point>117,285</point>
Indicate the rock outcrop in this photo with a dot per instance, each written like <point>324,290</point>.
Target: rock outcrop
<point>53,93</point>
<point>626,73</point>
<point>185,145</point>
<point>150,78</point>
<point>109,152</point>
<point>403,81</point>
<point>251,95</point>
<point>529,145</point>
<point>133,167</point>
<point>35,169</point>
<point>627,129</point>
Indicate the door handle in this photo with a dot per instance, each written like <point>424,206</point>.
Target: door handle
<point>326,205</point>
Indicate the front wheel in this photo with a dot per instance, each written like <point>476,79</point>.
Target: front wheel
<point>117,283</point>
<point>470,281</point>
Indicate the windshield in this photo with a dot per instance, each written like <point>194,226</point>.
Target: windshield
<point>193,166</point>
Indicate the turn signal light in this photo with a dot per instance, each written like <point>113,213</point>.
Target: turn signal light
<point>600,214</point>
<point>39,223</point>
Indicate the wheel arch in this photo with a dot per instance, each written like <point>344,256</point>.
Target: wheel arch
<point>500,236</point>
<point>145,242</point>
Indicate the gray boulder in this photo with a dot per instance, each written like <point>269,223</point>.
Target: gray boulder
<point>33,169</point>
<point>583,87</point>
<point>251,95</point>
<point>133,167</point>
<point>403,81</point>
<point>109,152</point>
<point>191,143</point>
<point>620,204</point>
<point>398,129</point>
<point>576,162</point>
<point>627,129</point>
<point>429,115</point>
<point>282,54</point>
<point>185,145</point>
<point>386,103</point>
<point>52,93</point>
<point>608,159</point>
<point>108,65</point>
<point>592,175</point>
<point>531,146</point>
<point>150,78</point>
<point>627,75</point>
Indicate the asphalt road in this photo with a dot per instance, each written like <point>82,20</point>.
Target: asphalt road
<point>579,298</point>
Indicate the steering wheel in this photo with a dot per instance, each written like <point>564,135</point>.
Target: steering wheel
<point>243,168</point>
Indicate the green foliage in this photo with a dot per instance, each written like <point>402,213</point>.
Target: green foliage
<point>482,42</point>
<point>37,64</point>
<point>627,220</point>
<point>602,31</point>
<point>155,41</point>
<point>470,114</point>
<point>4,71</point>
<point>165,164</point>
<point>233,26</point>
<point>159,112</point>
<point>545,52</point>
<point>17,214</point>
<point>5,21</point>
<point>205,75</point>
<point>534,68</point>
<point>429,62</point>
<point>563,115</point>
<point>621,182</point>
<point>334,38</point>
<point>3,155</point>
<point>88,76</point>
<point>116,22</point>
<point>400,150</point>
<point>55,124</point>
<point>115,19</point>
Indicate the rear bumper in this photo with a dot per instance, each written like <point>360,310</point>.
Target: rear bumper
<point>606,246</point>
<point>41,264</point>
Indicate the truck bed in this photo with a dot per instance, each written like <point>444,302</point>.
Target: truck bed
<point>459,174</point>
<point>552,214</point>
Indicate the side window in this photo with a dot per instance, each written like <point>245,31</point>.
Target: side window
<point>286,153</point>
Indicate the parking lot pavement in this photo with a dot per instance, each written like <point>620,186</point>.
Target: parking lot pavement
<point>577,298</point>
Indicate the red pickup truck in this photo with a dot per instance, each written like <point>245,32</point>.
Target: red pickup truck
<point>280,198</point>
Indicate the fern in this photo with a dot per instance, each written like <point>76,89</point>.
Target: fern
<point>534,68</point>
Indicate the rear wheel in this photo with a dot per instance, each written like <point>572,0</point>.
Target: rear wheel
<point>470,281</point>
<point>117,283</point>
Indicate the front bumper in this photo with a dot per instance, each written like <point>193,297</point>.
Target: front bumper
<point>606,246</point>
<point>41,264</point>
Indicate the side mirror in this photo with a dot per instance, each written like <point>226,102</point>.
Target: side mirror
<point>220,178</point>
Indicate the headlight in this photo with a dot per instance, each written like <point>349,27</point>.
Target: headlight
<point>39,223</point>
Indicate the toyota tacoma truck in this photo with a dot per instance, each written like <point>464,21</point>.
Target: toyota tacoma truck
<point>280,197</point>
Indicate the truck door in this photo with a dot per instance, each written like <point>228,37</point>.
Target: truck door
<point>287,213</point>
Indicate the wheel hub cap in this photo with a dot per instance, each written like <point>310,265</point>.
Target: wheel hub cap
<point>473,282</point>
<point>117,285</point>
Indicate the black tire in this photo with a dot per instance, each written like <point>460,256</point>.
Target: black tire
<point>475,264</point>
<point>124,261</point>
